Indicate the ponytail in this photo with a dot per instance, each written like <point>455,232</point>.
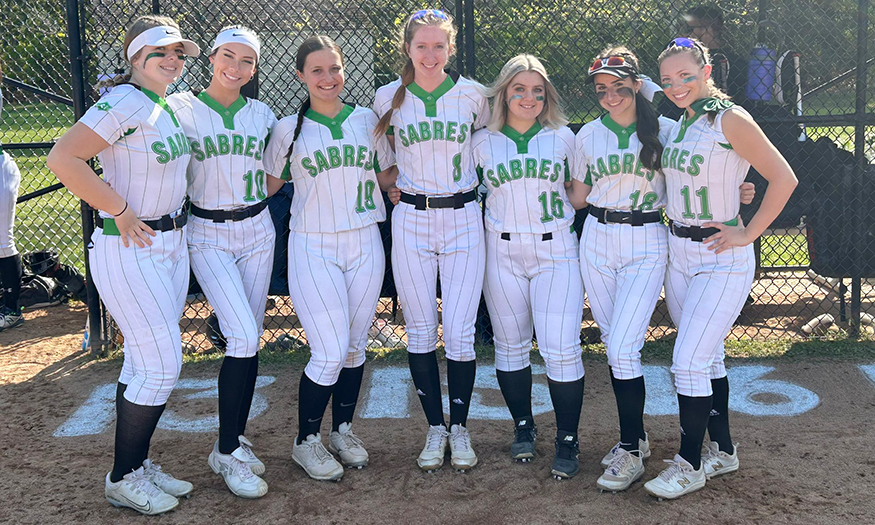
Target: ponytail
<point>117,80</point>
<point>407,76</point>
<point>715,92</point>
<point>304,108</point>
<point>647,129</point>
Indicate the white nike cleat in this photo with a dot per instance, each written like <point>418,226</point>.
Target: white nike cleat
<point>643,449</point>
<point>317,462</point>
<point>462,455</point>
<point>678,479</point>
<point>135,491</point>
<point>348,447</point>
<point>255,464</point>
<point>236,473</point>
<point>432,455</point>
<point>717,463</point>
<point>625,469</point>
<point>164,481</point>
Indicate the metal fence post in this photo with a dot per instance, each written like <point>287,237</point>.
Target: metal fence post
<point>470,62</point>
<point>156,7</point>
<point>77,70</point>
<point>860,155</point>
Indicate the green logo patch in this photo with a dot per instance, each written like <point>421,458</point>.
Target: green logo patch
<point>130,131</point>
<point>103,106</point>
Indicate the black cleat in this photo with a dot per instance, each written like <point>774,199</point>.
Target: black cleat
<point>524,433</point>
<point>565,463</point>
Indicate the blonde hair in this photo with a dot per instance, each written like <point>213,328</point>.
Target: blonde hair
<point>552,116</point>
<point>700,54</point>
<point>405,36</point>
<point>138,26</point>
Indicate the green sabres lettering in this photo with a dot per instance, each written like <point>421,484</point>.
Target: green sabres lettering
<point>617,164</point>
<point>344,155</point>
<point>681,160</point>
<point>525,168</point>
<point>222,144</point>
<point>171,148</point>
<point>425,130</point>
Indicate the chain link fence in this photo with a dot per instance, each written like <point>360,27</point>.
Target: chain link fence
<point>792,64</point>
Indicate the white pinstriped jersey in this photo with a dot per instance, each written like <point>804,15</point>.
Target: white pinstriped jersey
<point>334,169</point>
<point>226,169</point>
<point>433,134</point>
<point>148,153</point>
<point>608,160</point>
<point>702,172</point>
<point>525,177</point>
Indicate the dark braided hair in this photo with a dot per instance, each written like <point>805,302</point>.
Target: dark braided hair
<point>311,44</point>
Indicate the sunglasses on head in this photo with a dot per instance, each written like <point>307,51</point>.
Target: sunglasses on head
<point>686,43</point>
<point>437,13</point>
<point>611,62</point>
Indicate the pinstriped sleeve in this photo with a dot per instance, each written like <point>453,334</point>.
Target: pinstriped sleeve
<point>113,114</point>
<point>581,158</point>
<point>275,152</point>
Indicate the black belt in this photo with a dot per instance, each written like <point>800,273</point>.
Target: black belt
<point>229,215</point>
<point>634,217</point>
<point>545,237</point>
<point>456,201</point>
<point>693,233</point>
<point>162,224</point>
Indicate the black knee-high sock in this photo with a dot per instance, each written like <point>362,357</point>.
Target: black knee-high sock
<point>134,427</point>
<point>630,407</point>
<point>346,395</point>
<point>10,279</point>
<point>567,399</point>
<point>718,423</point>
<point>232,385</point>
<point>248,392</point>
<point>426,379</point>
<point>694,420</point>
<point>516,387</point>
<point>312,401</point>
<point>460,386</point>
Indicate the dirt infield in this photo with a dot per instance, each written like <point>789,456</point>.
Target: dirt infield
<point>811,467</point>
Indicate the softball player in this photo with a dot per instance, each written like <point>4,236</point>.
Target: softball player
<point>138,254</point>
<point>532,267</point>
<point>430,116</point>
<point>336,259</point>
<point>10,260</point>
<point>711,263</point>
<point>231,236</point>
<point>623,247</point>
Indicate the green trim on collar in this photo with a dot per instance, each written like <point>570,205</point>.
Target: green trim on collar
<point>686,123</point>
<point>228,113</point>
<point>430,99</point>
<point>622,133</point>
<point>701,107</point>
<point>161,102</point>
<point>521,139</point>
<point>332,124</point>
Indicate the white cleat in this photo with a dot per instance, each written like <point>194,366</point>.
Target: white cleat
<point>255,464</point>
<point>236,473</point>
<point>643,449</point>
<point>348,447</point>
<point>164,481</point>
<point>678,479</point>
<point>462,455</point>
<point>135,491</point>
<point>432,456</point>
<point>625,469</point>
<point>717,463</point>
<point>317,462</point>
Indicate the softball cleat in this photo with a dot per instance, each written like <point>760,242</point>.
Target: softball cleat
<point>164,481</point>
<point>317,462</point>
<point>135,491</point>
<point>678,479</point>
<point>462,455</point>
<point>565,462</point>
<point>524,433</point>
<point>348,447</point>
<point>625,469</point>
<point>432,456</point>
<point>643,449</point>
<point>716,462</point>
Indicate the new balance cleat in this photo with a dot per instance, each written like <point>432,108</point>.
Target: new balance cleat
<point>524,433</point>
<point>716,462</point>
<point>643,449</point>
<point>565,462</point>
<point>678,479</point>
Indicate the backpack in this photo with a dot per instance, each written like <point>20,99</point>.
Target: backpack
<point>38,291</point>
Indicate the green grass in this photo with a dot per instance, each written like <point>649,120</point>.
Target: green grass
<point>784,250</point>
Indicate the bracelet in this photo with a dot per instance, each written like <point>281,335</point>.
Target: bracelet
<point>123,210</point>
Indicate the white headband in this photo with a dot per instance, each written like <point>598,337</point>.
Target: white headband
<point>649,88</point>
<point>238,36</point>
<point>161,36</point>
